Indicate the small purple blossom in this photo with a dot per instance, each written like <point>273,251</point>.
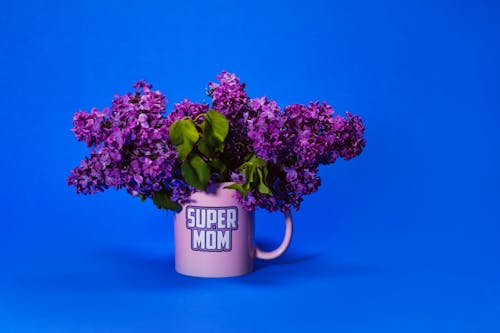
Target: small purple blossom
<point>89,127</point>
<point>238,177</point>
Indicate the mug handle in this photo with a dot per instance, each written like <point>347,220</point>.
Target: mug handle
<point>284,244</point>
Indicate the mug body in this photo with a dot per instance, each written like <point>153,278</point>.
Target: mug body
<point>213,235</point>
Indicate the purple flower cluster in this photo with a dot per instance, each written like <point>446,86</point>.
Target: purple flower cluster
<point>131,149</point>
<point>265,129</point>
<point>293,141</point>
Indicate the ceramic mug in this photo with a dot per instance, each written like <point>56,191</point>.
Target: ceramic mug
<point>214,235</point>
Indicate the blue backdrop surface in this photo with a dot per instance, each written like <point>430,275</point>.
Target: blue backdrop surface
<point>404,238</point>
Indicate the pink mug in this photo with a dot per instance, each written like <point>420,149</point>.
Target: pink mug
<point>214,236</point>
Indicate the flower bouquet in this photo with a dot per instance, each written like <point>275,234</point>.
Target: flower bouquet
<point>271,154</point>
<point>265,155</point>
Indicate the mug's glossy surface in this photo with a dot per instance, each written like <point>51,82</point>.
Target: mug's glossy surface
<point>214,236</point>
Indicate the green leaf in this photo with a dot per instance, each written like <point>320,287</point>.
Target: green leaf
<point>196,172</point>
<point>208,145</point>
<point>249,157</point>
<point>184,136</point>
<point>262,187</point>
<point>142,197</point>
<point>201,168</point>
<point>218,165</point>
<point>215,128</point>
<point>250,174</point>
<point>162,200</point>
<point>204,147</point>
<point>259,162</point>
<point>219,126</point>
<point>237,187</point>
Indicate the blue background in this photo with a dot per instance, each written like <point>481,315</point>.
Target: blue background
<point>404,238</point>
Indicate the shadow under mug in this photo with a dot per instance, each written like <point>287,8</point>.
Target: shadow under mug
<point>214,235</point>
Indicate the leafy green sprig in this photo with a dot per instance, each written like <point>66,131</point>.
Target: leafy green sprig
<point>199,143</point>
<point>255,170</point>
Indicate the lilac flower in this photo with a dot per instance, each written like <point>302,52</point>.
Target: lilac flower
<point>238,177</point>
<point>264,128</point>
<point>185,108</point>
<point>130,144</point>
<point>89,126</point>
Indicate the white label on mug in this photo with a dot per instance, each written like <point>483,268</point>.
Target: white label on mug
<point>211,227</point>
